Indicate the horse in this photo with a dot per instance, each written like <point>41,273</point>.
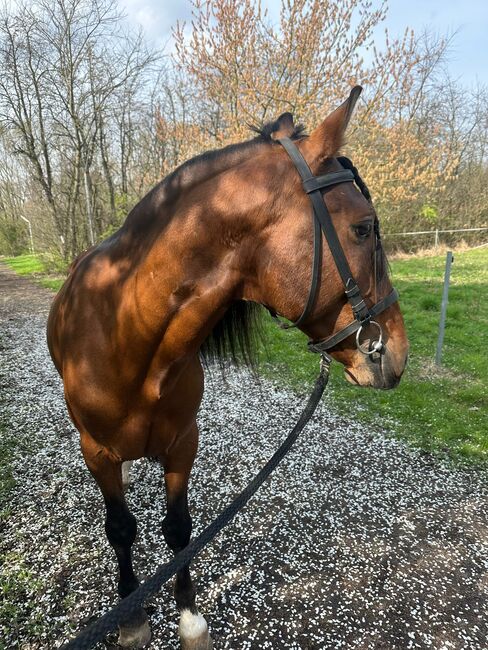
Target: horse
<point>181,281</point>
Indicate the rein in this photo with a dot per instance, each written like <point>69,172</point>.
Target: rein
<point>322,222</point>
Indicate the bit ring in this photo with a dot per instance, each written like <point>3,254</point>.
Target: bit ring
<point>376,346</point>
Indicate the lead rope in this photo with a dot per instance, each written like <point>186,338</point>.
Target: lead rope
<point>376,249</point>
<point>109,621</point>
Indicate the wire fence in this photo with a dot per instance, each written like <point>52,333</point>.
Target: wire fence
<point>402,241</point>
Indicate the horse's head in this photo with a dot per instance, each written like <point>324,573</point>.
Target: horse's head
<point>284,252</point>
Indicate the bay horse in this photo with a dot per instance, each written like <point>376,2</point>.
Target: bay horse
<point>226,232</point>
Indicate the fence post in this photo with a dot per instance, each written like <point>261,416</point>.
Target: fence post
<point>445,293</point>
<point>436,241</point>
<point>30,232</point>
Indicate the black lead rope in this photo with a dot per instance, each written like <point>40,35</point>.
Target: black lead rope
<point>109,621</point>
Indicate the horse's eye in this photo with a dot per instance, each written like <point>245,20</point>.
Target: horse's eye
<point>362,230</point>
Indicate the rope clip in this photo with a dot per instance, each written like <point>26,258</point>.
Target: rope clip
<point>325,361</point>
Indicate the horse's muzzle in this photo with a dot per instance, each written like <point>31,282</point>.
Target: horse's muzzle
<point>382,370</point>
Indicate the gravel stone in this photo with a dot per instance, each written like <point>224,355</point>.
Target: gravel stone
<point>355,542</point>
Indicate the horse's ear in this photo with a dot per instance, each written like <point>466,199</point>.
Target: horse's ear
<point>284,127</point>
<point>326,140</point>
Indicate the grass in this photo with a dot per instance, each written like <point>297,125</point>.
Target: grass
<point>7,447</point>
<point>20,587</point>
<point>51,283</point>
<point>443,411</point>
<point>26,264</point>
<point>30,264</point>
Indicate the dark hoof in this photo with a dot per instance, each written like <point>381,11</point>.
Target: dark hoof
<point>135,635</point>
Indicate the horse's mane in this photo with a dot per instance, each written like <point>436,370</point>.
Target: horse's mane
<point>236,335</point>
<point>213,162</point>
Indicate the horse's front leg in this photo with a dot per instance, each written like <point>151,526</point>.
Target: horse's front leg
<point>121,529</point>
<point>177,526</point>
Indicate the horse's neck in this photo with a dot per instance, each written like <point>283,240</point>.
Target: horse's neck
<point>198,248</point>
<point>186,278</point>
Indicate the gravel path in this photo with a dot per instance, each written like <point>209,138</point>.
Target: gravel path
<point>355,542</point>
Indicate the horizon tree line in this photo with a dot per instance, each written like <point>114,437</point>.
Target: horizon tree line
<point>91,117</point>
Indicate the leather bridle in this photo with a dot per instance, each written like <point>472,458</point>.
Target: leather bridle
<point>364,315</point>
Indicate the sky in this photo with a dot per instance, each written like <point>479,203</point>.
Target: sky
<point>468,55</point>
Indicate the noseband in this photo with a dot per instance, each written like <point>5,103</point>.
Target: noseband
<point>364,315</point>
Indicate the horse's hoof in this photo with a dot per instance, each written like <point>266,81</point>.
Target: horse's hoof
<point>194,632</point>
<point>203,642</point>
<point>135,635</point>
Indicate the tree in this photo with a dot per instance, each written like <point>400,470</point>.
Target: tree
<point>245,70</point>
<point>91,118</point>
<point>65,65</point>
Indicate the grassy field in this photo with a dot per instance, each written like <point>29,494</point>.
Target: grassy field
<point>36,266</point>
<point>440,410</point>
<point>443,411</point>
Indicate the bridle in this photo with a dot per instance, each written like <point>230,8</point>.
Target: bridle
<point>364,315</point>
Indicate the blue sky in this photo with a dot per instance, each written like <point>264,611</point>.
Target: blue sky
<point>468,58</point>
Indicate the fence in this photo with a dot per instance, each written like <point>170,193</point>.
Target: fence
<point>432,238</point>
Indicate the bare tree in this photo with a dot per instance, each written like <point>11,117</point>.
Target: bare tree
<point>65,64</point>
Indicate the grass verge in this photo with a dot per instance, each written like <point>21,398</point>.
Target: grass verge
<point>36,266</point>
<point>7,483</point>
<point>19,589</point>
<point>19,585</point>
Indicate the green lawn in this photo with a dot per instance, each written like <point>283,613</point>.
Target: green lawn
<point>440,410</point>
<point>26,264</point>
<point>443,411</point>
<point>35,265</point>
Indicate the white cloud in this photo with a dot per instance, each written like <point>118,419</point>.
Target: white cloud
<point>156,17</point>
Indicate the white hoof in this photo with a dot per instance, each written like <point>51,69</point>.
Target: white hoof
<point>194,632</point>
<point>126,465</point>
<point>135,636</point>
